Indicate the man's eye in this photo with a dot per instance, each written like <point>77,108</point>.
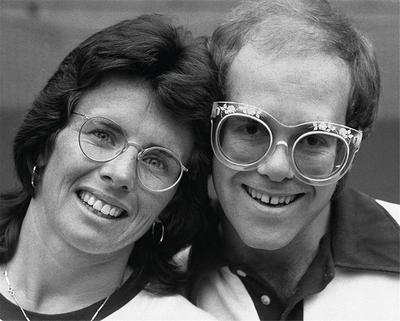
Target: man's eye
<point>319,141</point>
<point>313,141</point>
<point>252,129</point>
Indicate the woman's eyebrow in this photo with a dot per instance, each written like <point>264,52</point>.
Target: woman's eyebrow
<point>112,125</point>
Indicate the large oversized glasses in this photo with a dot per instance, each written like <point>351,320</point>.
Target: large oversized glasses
<point>244,136</point>
<point>102,140</point>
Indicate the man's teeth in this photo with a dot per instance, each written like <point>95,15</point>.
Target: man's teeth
<point>100,205</point>
<point>267,199</point>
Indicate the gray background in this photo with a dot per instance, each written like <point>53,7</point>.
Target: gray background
<point>36,35</point>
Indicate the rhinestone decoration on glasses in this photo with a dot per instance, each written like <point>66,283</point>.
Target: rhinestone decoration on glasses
<point>101,140</point>
<point>243,137</point>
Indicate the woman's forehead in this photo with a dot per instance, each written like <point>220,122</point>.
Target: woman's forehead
<point>132,105</point>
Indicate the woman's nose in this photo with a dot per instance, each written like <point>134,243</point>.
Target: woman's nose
<point>120,172</point>
<point>277,166</point>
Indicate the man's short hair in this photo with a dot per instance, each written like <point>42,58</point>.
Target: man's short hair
<point>283,28</point>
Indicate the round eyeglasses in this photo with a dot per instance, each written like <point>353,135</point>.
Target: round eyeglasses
<point>244,136</point>
<point>102,140</point>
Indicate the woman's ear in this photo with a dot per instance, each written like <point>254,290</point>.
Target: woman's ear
<point>41,160</point>
<point>45,154</point>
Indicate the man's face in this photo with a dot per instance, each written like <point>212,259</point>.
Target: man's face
<point>269,207</point>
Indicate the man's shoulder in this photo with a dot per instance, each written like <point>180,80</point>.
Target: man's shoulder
<point>354,199</point>
<point>392,208</point>
<point>352,294</point>
<point>147,306</point>
<point>356,294</point>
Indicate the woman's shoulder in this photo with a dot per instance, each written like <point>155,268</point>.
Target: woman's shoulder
<point>147,306</point>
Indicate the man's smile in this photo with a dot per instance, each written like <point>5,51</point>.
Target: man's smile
<point>269,199</point>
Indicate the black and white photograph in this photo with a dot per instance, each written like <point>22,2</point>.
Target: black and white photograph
<point>199,160</point>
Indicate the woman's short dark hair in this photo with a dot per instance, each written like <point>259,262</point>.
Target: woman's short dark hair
<point>179,71</point>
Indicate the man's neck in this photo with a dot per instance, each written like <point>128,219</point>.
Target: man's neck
<point>282,268</point>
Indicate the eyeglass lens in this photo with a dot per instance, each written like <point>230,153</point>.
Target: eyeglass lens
<point>245,140</point>
<point>102,140</point>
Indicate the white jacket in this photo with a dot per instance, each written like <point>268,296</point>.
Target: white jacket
<point>146,306</point>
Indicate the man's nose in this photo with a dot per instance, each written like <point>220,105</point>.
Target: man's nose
<point>277,165</point>
<point>120,172</point>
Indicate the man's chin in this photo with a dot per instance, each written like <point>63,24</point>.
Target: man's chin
<point>267,243</point>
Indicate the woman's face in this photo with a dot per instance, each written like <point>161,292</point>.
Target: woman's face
<point>71,181</point>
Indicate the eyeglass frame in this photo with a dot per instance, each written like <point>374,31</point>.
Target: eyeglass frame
<point>138,147</point>
<point>222,109</point>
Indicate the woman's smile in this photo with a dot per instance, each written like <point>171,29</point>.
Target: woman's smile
<point>100,206</point>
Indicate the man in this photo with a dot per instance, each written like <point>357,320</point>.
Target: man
<point>301,89</point>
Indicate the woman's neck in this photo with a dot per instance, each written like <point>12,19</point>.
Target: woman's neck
<point>50,277</point>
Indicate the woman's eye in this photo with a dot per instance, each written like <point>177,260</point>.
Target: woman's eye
<point>153,162</point>
<point>103,137</point>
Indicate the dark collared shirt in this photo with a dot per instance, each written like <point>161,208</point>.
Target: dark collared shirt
<point>267,303</point>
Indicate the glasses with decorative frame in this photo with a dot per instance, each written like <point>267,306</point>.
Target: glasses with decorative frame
<point>244,136</point>
<point>102,140</point>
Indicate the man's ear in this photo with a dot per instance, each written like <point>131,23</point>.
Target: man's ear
<point>211,189</point>
<point>212,194</point>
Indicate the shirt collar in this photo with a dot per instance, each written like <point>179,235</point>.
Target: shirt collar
<point>364,235</point>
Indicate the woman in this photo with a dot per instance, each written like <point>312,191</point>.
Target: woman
<point>112,163</point>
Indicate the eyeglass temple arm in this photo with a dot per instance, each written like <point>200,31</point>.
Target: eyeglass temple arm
<point>79,114</point>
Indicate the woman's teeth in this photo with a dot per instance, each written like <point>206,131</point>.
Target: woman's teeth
<point>100,205</point>
<point>269,199</point>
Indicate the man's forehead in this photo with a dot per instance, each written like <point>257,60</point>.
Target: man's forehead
<point>293,67</point>
<point>283,82</point>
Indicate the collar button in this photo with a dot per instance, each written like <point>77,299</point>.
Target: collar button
<point>241,273</point>
<point>265,299</point>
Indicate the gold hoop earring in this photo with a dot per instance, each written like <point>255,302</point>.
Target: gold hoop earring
<point>35,177</point>
<point>161,229</point>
